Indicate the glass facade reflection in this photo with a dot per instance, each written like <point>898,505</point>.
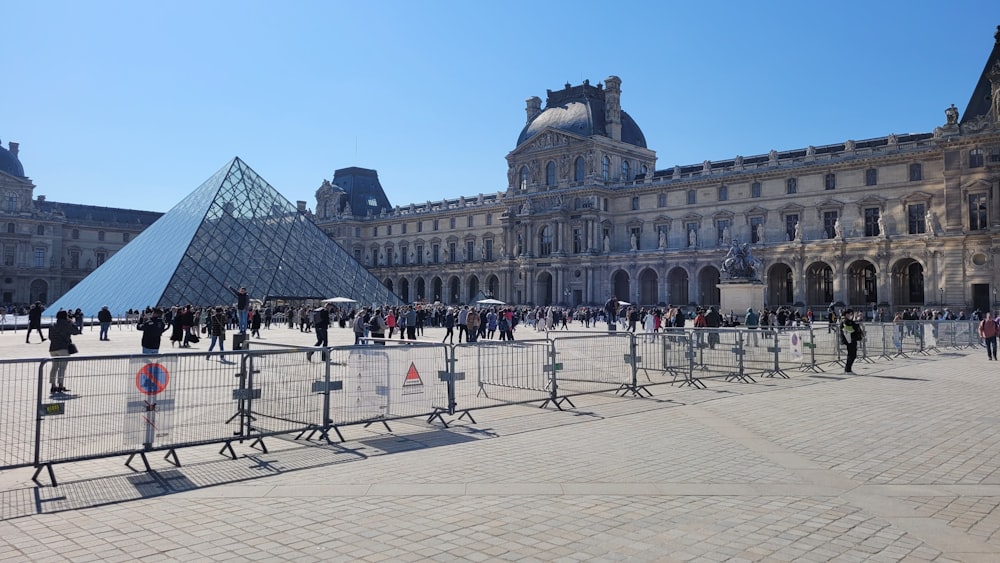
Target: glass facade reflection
<point>234,230</point>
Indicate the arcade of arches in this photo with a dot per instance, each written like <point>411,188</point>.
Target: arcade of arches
<point>860,284</point>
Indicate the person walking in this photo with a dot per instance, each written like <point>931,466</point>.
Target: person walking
<point>850,334</point>
<point>104,317</point>
<point>449,327</point>
<point>152,330</point>
<point>60,346</point>
<point>988,332</point>
<point>217,331</point>
<point>35,321</point>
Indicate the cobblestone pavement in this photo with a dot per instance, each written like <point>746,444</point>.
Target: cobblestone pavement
<point>897,463</point>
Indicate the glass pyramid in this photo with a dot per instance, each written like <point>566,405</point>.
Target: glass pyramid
<point>235,231</point>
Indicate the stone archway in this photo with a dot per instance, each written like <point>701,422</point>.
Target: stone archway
<point>493,287</point>
<point>620,283</point>
<point>421,290</point>
<point>388,284</point>
<point>404,290</point>
<point>780,288</point>
<point>908,283</point>
<point>862,284</point>
<point>543,289</point>
<point>454,291</point>
<point>708,290</point>
<point>38,291</point>
<point>819,284</point>
<point>677,287</point>
<point>472,289</point>
<point>649,292</point>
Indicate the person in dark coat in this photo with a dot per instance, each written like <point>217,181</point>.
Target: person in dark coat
<point>35,321</point>
<point>152,329</point>
<point>60,339</point>
<point>104,317</point>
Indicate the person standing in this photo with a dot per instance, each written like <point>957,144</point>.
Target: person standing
<point>988,332</point>
<point>152,329</point>
<point>411,323</point>
<point>850,334</point>
<point>463,318</point>
<point>60,341</point>
<point>752,322</point>
<point>35,321</point>
<point>104,317</point>
<point>449,326</point>
<point>242,302</point>
<point>255,323</point>
<point>611,312</point>
<point>217,331</point>
<point>472,321</point>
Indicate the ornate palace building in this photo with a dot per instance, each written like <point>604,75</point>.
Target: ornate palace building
<point>895,221</point>
<point>48,247</point>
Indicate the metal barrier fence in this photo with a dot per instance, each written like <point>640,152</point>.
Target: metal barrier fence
<point>132,405</point>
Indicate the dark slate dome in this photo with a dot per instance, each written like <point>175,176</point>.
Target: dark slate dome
<point>10,164</point>
<point>580,110</point>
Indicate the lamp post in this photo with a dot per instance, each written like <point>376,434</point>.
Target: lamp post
<point>566,293</point>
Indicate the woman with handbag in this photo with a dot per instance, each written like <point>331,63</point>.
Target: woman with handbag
<point>60,346</point>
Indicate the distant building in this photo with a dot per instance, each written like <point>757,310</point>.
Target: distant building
<point>47,246</point>
<point>897,221</point>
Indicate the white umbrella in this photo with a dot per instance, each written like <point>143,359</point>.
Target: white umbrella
<point>490,302</point>
<point>624,303</point>
<point>339,300</point>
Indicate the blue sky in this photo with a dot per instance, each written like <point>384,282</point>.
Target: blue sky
<point>134,104</point>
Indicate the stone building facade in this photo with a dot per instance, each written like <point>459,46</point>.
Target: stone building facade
<point>48,247</point>
<point>896,221</point>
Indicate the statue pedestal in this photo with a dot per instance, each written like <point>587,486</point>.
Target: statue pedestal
<point>739,295</point>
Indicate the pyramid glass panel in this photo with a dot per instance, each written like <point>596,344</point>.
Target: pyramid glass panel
<point>235,230</point>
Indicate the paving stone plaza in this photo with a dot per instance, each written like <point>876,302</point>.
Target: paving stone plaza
<point>896,463</point>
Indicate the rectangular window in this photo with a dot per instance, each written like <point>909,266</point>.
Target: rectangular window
<point>101,257</point>
<point>871,177</point>
<point>451,223</point>
<point>489,250</point>
<point>388,257</point>
<point>419,252</point>
<point>756,229</point>
<point>74,259</point>
<point>435,253</point>
<point>661,200</point>
<point>471,221</point>
<point>976,158</point>
<point>978,217</point>
<point>830,181</point>
<point>916,172</point>
<point>403,227</point>
<point>722,229</point>
<point>489,218</point>
<point>755,189</point>
<point>420,226</point>
<point>635,233</point>
<point>357,232</point>
<point>871,222</point>
<point>829,220</point>
<point>357,255</point>
<point>470,250</point>
<point>452,252</point>
<point>388,229</point>
<point>8,255</point>
<point>577,241</point>
<point>374,231</point>
<point>915,222</point>
<point>692,197</point>
<point>404,255</point>
<point>436,224</point>
<point>39,257</point>
<point>791,221</point>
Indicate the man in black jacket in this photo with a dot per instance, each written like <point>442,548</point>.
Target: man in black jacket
<point>104,317</point>
<point>242,302</point>
<point>152,329</point>
<point>35,321</point>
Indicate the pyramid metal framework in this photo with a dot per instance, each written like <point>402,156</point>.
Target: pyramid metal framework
<point>234,231</point>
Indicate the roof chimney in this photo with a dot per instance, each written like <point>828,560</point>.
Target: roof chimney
<point>41,198</point>
<point>300,205</point>
<point>533,107</point>
<point>13,148</point>
<point>613,107</point>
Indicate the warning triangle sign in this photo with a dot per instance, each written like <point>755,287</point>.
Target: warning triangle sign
<point>412,377</point>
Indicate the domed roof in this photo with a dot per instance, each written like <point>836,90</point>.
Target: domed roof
<point>10,164</point>
<point>580,110</point>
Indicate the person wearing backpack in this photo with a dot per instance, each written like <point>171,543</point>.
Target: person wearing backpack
<point>988,332</point>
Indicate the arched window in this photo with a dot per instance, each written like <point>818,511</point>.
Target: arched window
<point>723,193</point>
<point>579,169</point>
<point>550,174</point>
<point>643,170</point>
<point>626,171</point>
<point>524,178</point>
<point>605,168</point>
<point>545,241</point>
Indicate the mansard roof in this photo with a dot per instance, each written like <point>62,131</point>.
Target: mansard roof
<point>979,104</point>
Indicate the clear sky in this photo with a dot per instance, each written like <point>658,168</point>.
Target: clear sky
<point>134,104</point>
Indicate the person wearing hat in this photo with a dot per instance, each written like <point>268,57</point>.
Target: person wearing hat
<point>104,317</point>
<point>35,321</point>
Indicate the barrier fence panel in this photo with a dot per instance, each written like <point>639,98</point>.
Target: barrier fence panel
<point>19,389</point>
<point>718,353</point>
<point>119,405</point>
<point>593,364</point>
<point>793,351</point>
<point>662,357</point>
<point>287,391</point>
<point>389,382</point>
<point>828,351</point>
<point>498,373</point>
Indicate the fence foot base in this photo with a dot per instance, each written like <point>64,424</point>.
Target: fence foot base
<point>52,474</point>
<point>384,423</point>
<point>468,414</point>
<point>437,415</point>
<point>741,377</point>
<point>228,446</point>
<point>173,454</point>
<point>811,368</point>
<point>693,382</point>
<point>145,461</point>
<point>260,441</point>
<point>635,389</point>
<point>557,402</point>
<point>867,360</point>
<point>778,372</point>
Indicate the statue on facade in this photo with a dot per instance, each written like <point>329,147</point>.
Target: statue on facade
<point>951,115</point>
<point>760,233</point>
<point>663,239</point>
<point>798,232</point>
<point>772,157</point>
<point>810,151</point>
<point>692,238</point>
<point>633,243</point>
<point>838,229</point>
<point>726,236</point>
<point>881,226</point>
<point>738,161</point>
<point>740,263</point>
<point>849,145</point>
<point>930,223</point>
<point>607,244</point>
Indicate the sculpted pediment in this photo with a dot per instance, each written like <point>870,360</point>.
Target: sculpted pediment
<point>549,138</point>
